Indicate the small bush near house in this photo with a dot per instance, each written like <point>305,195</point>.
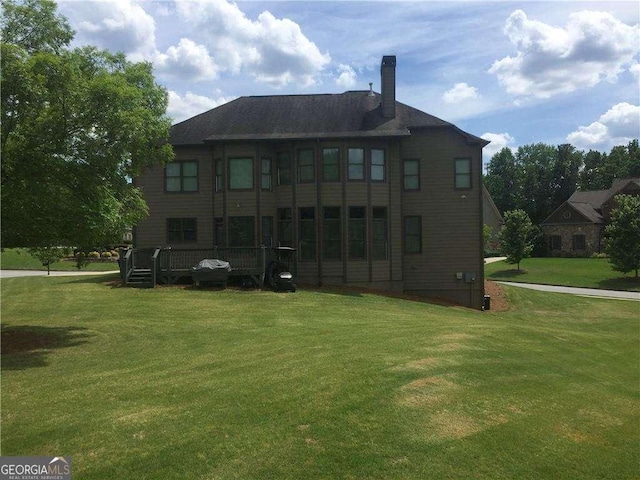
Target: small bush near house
<point>105,255</point>
<point>93,254</point>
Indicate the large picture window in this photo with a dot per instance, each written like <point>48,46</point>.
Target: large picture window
<point>307,238</point>
<point>182,230</point>
<point>463,173</point>
<point>330,165</point>
<point>181,177</point>
<point>241,231</point>
<point>356,164</point>
<point>377,165</point>
<point>413,234</point>
<point>331,234</point>
<point>240,173</point>
<point>411,174</point>
<point>379,248</point>
<point>357,233</point>
<point>284,168</point>
<point>306,166</point>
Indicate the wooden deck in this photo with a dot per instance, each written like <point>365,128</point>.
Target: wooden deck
<point>148,267</point>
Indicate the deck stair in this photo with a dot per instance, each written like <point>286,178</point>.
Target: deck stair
<point>140,278</point>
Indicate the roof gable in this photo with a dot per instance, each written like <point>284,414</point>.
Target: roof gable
<point>350,114</point>
<point>572,212</point>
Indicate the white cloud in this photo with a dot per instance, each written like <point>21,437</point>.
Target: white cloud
<point>118,25</point>
<point>618,126</point>
<point>348,76</point>
<point>187,60</point>
<point>498,142</point>
<point>272,50</point>
<point>593,47</point>
<point>635,70</point>
<point>460,92</point>
<point>184,107</point>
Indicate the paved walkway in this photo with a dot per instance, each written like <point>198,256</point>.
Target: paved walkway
<point>41,273</point>
<point>586,292</point>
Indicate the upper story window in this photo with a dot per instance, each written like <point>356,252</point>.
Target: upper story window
<point>265,179</point>
<point>463,173</point>
<point>330,165</point>
<point>218,168</point>
<point>377,165</point>
<point>356,163</point>
<point>306,166</point>
<point>284,168</point>
<point>240,173</point>
<point>181,177</point>
<point>411,174</point>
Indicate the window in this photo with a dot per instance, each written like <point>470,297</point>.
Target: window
<point>330,165</point>
<point>306,166</point>
<point>241,231</point>
<point>579,242</point>
<point>240,173</point>
<point>377,165</point>
<point>555,242</point>
<point>307,239</point>
<point>284,168</point>
<point>411,172</point>
<point>219,181</point>
<point>357,233</point>
<point>463,173</point>
<point>379,230</point>
<point>218,232</point>
<point>267,231</point>
<point>331,234</point>
<point>285,237</point>
<point>181,177</point>
<point>265,178</point>
<point>413,234</point>
<point>356,164</point>
<point>181,230</point>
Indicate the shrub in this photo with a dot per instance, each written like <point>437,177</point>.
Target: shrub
<point>93,254</point>
<point>105,255</point>
<point>114,253</point>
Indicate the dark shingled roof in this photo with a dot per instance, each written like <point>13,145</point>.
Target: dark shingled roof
<point>282,117</point>
<point>589,203</point>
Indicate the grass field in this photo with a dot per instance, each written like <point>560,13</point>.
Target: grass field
<point>177,383</point>
<point>21,259</point>
<point>574,272</point>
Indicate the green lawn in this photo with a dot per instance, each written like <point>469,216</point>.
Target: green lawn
<point>21,259</point>
<point>175,383</point>
<point>574,272</point>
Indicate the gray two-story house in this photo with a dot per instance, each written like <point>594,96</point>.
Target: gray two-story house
<point>369,191</point>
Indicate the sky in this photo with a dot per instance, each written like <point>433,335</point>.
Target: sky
<point>514,73</point>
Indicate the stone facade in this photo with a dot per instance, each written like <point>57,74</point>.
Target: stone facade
<point>593,236</point>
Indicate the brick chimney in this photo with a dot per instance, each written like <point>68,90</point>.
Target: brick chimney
<point>388,86</point>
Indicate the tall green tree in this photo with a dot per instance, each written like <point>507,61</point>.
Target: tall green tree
<point>77,125</point>
<point>503,180</point>
<point>516,236</point>
<point>623,234</point>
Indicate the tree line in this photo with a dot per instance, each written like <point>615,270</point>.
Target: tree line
<point>538,178</point>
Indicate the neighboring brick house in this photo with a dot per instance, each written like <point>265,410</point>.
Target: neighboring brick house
<point>576,228</point>
<point>371,192</point>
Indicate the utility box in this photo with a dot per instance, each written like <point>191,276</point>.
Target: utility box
<point>469,277</point>
<point>486,302</point>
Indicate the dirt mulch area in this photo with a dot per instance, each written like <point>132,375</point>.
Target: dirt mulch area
<point>499,302</point>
